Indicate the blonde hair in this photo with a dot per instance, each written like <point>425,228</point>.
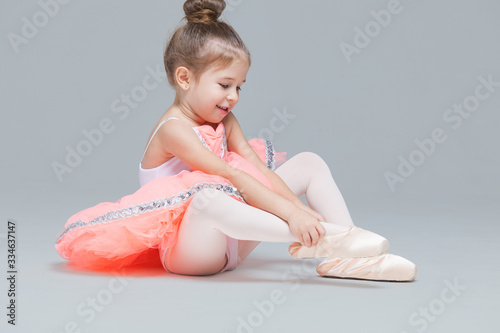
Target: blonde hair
<point>203,41</point>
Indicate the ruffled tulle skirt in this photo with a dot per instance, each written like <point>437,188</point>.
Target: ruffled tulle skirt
<point>111,235</point>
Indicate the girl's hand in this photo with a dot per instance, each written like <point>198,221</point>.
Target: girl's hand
<point>317,215</point>
<point>306,227</point>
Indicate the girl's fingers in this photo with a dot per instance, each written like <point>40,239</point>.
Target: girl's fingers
<point>321,230</point>
<point>302,240</point>
<point>308,240</point>
<point>314,236</point>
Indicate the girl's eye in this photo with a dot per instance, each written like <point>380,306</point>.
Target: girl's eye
<point>225,86</point>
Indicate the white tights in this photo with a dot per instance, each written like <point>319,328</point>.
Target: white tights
<point>212,215</point>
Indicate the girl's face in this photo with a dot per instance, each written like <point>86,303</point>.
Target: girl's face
<point>217,91</point>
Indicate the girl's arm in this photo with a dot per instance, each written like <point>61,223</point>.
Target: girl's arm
<point>179,139</point>
<point>236,142</point>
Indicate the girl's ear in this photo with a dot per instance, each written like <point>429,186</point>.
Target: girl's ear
<point>183,77</point>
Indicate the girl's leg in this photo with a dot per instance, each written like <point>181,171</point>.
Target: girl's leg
<point>307,173</point>
<point>211,215</point>
<point>199,250</point>
<point>201,243</point>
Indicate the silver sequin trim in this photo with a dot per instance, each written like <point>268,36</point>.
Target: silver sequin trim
<point>270,155</point>
<point>150,206</point>
<point>223,149</point>
<point>201,138</point>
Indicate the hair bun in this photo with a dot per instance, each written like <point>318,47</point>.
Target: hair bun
<point>203,11</point>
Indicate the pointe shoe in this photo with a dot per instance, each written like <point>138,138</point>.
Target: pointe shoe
<point>353,243</point>
<point>386,267</point>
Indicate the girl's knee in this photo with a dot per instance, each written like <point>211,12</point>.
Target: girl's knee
<point>208,203</point>
<point>311,160</point>
<point>202,199</point>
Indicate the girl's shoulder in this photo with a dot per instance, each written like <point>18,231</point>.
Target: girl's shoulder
<point>229,121</point>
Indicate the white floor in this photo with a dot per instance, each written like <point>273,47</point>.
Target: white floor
<point>457,290</point>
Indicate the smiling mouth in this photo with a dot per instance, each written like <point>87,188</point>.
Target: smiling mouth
<point>223,108</point>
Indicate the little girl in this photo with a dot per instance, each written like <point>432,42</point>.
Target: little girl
<point>208,197</point>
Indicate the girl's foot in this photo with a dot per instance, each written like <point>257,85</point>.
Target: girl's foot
<point>386,267</point>
<point>353,243</point>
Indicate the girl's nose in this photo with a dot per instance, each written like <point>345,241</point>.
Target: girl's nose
<point>233,96</point>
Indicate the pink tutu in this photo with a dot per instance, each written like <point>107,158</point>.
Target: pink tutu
<point>111,235</point>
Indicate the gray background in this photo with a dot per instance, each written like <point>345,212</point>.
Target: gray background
<point>360,116</point>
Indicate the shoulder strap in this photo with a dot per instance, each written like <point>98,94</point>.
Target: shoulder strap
<point>156,130</point>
